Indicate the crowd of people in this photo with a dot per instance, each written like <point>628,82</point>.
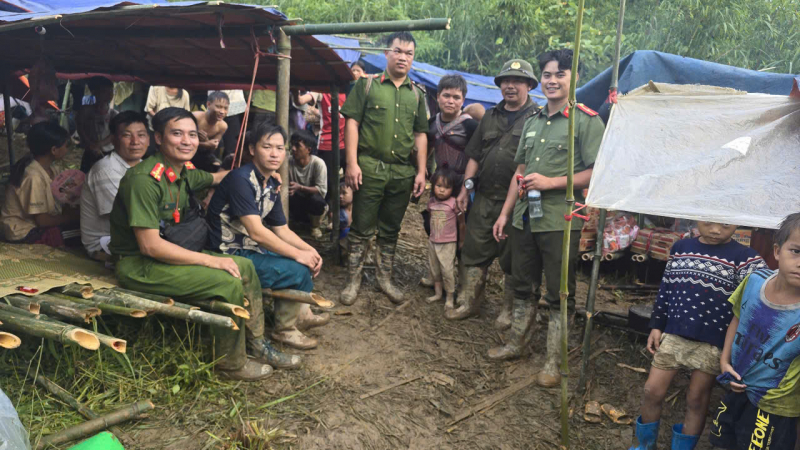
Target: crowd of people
<point>497,187</point>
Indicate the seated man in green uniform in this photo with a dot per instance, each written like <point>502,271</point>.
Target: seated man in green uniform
<point>155,193</point>
<point>537,236</point>
<point>386,120</point>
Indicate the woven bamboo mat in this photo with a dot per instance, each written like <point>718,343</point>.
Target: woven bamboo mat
<point>44,268</point>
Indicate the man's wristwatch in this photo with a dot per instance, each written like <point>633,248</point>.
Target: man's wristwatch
<point>469,183</point>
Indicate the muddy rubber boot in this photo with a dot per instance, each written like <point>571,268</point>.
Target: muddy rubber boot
<point>523,317</point>
<point>310,320</point>
<point>503,321</point>
<point>294,338</point>
<point>264,352</point>
<point>682,441</point>
<point>646,434</point>
<point>355,264</point>
<point>316,231</point>
<point>470,293</point>
<point>550,375</point>
<point>385,262</point>
<point>251,371</point>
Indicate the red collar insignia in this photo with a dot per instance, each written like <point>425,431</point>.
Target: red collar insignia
<point>189,165</point>
<point>171,176</point>
<point>157,171</point>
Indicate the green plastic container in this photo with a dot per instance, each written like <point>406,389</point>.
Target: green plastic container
<point>102,441</point>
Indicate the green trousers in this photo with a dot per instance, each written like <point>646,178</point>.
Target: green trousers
<point>480,249</point>
<point>144,274</point>
<point>534,253</point>
<point>379,205</point>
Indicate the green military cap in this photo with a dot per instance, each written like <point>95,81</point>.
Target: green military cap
<point>517,68</point>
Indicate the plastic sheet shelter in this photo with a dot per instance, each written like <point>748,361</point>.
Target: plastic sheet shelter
<point>195,45</point>
<point>701,153</point>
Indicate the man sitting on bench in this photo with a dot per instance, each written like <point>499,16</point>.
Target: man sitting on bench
<point>155,196</point>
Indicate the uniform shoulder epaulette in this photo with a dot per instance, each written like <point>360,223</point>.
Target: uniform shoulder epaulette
<point>586,109</point>
<point>157,171</point>
<point>189,165</point>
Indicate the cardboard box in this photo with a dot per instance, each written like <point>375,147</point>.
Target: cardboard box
<point>742,236</point>
<point>586,244</point>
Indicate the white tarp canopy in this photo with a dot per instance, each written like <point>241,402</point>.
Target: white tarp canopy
<point>701,153</point>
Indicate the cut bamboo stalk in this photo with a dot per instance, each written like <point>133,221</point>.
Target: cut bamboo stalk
<point>78,290</point>
<point>49,329</point>
<point>116,344</point>
<point>95,425</point>
<point>612,256</point>
<point>9,341</point>
<point>24,302</point>
<point>156,298</point>
<point>293,295</point>
<point>65,397</point>
<point>192,307</point>
<point>228,309</point>
<point>67,309</point>
<point>104,307</point>
<point>587,257</point>
<point>191,315</point>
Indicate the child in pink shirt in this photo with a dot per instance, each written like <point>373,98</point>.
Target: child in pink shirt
<point>447,233</point>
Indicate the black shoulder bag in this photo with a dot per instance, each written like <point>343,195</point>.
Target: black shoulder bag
<point>192,231</point>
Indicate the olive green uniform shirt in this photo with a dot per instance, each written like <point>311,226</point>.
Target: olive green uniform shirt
<point>494,146</point>
<point>543,149</point>
<point>144,200</point>
<point>388,117</point>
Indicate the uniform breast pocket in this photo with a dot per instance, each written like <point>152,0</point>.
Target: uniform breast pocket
<point>375,112</point>
<point>555,155</point>
<point>489,138</point>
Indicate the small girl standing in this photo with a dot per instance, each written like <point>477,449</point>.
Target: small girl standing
<point>447,233</point>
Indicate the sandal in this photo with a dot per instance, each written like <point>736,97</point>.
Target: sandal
<point>617,415</point>
<point>592,412</point>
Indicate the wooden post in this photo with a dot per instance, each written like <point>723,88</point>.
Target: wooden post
<point>334,175</point>
<point>587,332</point>
<point>7,109</point>
<point>282,110</point>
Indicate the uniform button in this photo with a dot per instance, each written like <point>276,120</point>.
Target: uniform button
<point>559,146</point>
<point>397,105</point>
<point>548,122</point>
<point>537,158</point>
<point>376,107</point>
<point>395,136</point>
<point>397,120</point>
<point>542,140</point>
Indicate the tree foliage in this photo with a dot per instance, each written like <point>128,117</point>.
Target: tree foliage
<point>754,34</point>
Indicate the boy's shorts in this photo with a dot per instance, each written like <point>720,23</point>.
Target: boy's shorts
<point>739,425</point>
<point>676,352</point>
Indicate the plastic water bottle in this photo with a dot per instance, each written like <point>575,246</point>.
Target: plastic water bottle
<point>535,204</point>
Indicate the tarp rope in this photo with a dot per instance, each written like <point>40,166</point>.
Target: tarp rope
<point>237,155</point>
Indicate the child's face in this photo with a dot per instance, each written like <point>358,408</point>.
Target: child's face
<point>441,190</point>
<point>788,257</point>
<point>712,233</point>
<point>60,152</point>
<point>218,108</point>
<point>345,196</point>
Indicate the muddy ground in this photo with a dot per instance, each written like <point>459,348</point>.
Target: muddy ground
<point>360,352</point>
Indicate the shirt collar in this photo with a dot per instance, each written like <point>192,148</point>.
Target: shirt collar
<point>271,183</point>
<point>501,106</point>
<point>160,158</point>
<point>564,112</point>
<point>115,156</point>
<point>385,77</point>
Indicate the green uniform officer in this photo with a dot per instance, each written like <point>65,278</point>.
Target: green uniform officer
<point>537,242</point>
<point>386,119</point>
<point>156,191</point>
<point>489,171</point>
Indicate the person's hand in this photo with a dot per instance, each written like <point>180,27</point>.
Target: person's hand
<point>538,182</point>
<point>654,341</point>
<point>202,135</point>
<point>293,187</point>
<point>462,201</point>
<point>352,176</point>
<point>277,177</point>
<point>226,264</point>
<point>419,184</point>
<point>497,229</point>
<point>214,142</point>
<point>310,259</point>
<point>315,271</point>
<point>735,387</point>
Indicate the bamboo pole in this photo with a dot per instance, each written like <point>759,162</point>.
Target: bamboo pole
<point>78,290</point>
<point>104,307</point>
<point>62,120</point>
<point>67,309</point>
<point>116,344</point>
<point>293,295</point>
<point>570,201</point>
<point>193,315</point>
<point>57,331</point>
<point>225,308</point>
<point>65,397</point>
<point>282,106</point>
<point>156,298</point>
<point>587,332</point>
<point>9,341</point>
<point>366,27</point>
<point>24,302</point>
<point>98,424</point>
<point>334,175</point>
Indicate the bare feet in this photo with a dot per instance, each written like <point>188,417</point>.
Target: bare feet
<point>437,287</point>
<point>449,301</point>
